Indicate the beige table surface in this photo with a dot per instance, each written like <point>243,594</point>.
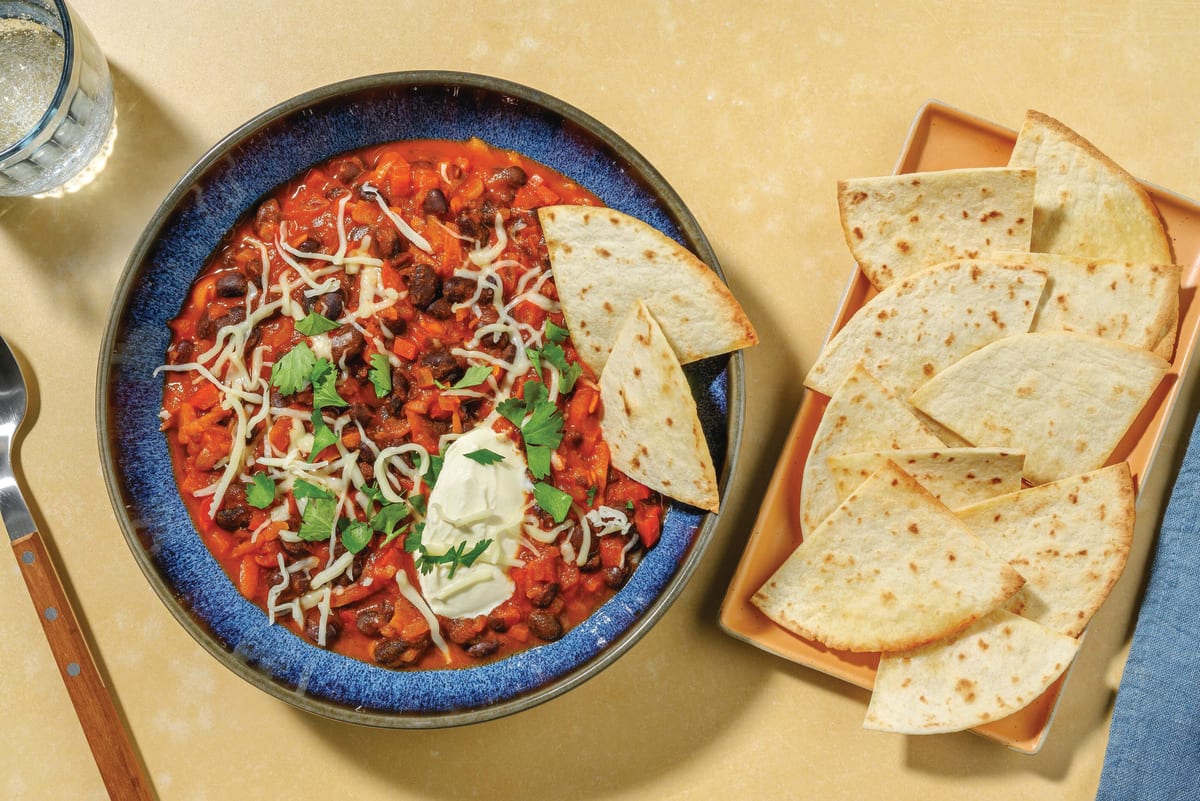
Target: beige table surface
<point>752,111</point>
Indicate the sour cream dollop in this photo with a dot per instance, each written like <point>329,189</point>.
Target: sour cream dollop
<point>471,502</point>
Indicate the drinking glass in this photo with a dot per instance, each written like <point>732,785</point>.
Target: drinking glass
<point>57,121</point>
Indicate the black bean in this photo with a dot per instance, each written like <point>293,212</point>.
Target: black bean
<point>329,305</point>
<point>545,625</point>
<point>399,383</point>
<point>388,243</point>
<point>435,202</point>
<point>231,518</point>
<point>369,621</point>
<point>541,593</point>
<point>423,286</point>
<point>457,289</point>
<point>266,218</point>
<point>346,343</point>
<point>312,627</point>
<point>347,169</point>
<point>615,576</point>
<point>393,652</point>
<point>441,309</point>
<point>231,284</point>
<point>310,244</point>
<point>512,175</point>
<point>484,648</point>
<point>444,365</point>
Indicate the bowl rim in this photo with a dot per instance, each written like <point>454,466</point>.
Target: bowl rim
<point>673,207</point>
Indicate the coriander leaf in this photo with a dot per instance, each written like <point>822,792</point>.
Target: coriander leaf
<point>373,492</point>
<point>476,374</point>
<point>412,542</point>
<point>380,374</point>
<point>356,536</point>
<point>293,372</point>
<point>553,500</point>
<point>315,323</point>
<point>434,470</point>
<point>538,458</point>
<point>260,493</point>
<point>535,357</point>
<point>512,410</point>
<point>568,372</point>
<point>555,333</point>
<point>535,393</point>
<point>484,456</point>
<point>323,436</point>
<point>306,489</point>
<point>417,502</point>
<point>468,558</point>
<point>388,518</point>
<point>629,506</point>
<point>591,495</point>
<point>324,381</point>
<point>544,426</point>
<point>318,520</point>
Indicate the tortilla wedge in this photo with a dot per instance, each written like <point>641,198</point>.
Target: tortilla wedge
<point>604,261</point>
<point>1065,399</point>
<point>922,324</point>
<point>1070,540</point>
<point>1130,302</point>
<point>650,420</point>
<point>958,477</point>
<point>996,667</point>
<point>861,416</point>
<point>1085,204</point>
<point>900,224</point>
<point>890,569</point>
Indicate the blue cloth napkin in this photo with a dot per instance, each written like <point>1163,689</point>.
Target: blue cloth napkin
<point>1154,743</point>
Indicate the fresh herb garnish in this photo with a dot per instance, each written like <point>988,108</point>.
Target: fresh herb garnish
<point>323,435</point>
<point>380,375</point>
<point>540,422</point>
<point>555,333</point>
<point>293,372</point>
<point>553,500</point>
<point>306,489</point>
<point>260,492</point>
<point>568,372</point>
<point>388,519</point>
<point>476,374</point>
<point>324,381</point>
<point>356,535</point>
<point>484,456</point>
<point>434,470</point>
<point>591,495</point>
<point>456,557</point>
<point>317,522</point>
<point>315,323</point>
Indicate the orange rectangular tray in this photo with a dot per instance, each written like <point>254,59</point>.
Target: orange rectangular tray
<point>942,138</point>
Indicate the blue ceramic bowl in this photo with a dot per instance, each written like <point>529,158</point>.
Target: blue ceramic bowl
<point>185,230</point>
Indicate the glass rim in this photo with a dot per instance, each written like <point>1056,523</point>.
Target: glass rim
<point>29,140</point>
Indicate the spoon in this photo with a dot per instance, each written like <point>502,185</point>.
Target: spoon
<point>120,767</point>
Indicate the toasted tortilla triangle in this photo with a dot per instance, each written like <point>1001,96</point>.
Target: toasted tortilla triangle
<point>922,324</point>
<point>958,477</point>
<point>1135,303</point>
<point>890,569</point>
<point>650,420</point>
<point>897,225</point>
<point>1065,399</point>
<point>861,416</point>
<point>998,666</point>
<point>1070,540</point>
<point>1085,204</point>
<point>604,261</point>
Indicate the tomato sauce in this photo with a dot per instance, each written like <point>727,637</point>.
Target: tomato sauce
<point>343,334</point>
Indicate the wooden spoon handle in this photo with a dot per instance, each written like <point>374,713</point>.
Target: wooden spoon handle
<point>120,767</point>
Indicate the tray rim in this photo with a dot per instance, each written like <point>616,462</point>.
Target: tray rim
<point>794,451</point>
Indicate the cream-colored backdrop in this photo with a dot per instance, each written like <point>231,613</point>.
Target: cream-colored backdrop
<point>752,111</point>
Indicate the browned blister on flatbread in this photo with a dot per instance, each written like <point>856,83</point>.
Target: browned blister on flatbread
<point>650,420</point>
<point>862,415</point>
<point>1065,399</point>
<point>890,569</point>
<point>994,668</point>
<point>1132,302</point>
<point>897,225</point>
<point>605,261</point>
<point>1070,540</point>
<point>1085,204</point>
<point>922,324</point>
